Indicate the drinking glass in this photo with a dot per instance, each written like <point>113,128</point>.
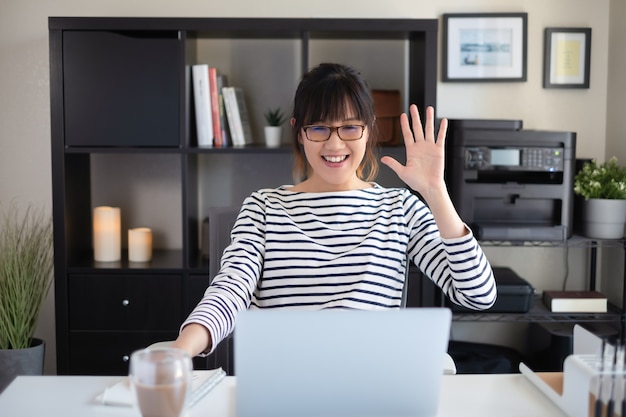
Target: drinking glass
<point>161,381</point>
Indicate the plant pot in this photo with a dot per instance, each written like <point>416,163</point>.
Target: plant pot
<point>14,362</point>
<point>273,136</point>
<point>603,218</point>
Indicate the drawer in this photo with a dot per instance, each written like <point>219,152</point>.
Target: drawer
<point>108,353</point>
<point>125,302</point>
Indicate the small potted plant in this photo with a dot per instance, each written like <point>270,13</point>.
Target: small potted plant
<point>273,130</point>
<point>603,187</point>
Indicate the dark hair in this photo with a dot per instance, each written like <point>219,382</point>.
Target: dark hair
<point>332,91</point>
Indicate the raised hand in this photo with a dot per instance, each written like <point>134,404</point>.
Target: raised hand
<point>425,155</point>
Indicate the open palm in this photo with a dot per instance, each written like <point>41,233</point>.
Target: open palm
<point>425,154</point>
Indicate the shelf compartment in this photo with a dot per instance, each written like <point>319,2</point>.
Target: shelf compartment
<point>540,313</point>
<point>122,88</point>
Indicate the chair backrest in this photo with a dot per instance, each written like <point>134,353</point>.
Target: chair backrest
<point>221,221</point>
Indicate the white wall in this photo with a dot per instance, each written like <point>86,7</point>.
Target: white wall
<point>24,83</point>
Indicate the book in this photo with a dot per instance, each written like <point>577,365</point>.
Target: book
<point>244,119</point>
<point>121,394</point>
<point>238,118</point>
<point>575,301</point>
<point>222,81</point>
<point>236,137</point>
<point>202,101</point>
<point>218,140</point>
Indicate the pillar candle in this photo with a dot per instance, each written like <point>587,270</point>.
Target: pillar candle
<point>107,235</point>
<point>139,244</point>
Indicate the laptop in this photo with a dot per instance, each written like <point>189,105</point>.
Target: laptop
<point>340,363</point>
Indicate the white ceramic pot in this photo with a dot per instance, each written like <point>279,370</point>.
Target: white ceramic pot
<point>603,218</point>
<point>273,135</point>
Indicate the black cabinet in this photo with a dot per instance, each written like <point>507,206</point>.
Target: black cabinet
<point>123,134</point>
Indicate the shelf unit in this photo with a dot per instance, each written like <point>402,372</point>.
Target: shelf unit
<point>538,312</point>
<point>123,133</point>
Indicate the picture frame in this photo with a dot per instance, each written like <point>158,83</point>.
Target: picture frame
<point>567,57</point>
<point>484,47</point>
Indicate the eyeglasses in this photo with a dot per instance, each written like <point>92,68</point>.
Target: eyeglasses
<point>320,133</point>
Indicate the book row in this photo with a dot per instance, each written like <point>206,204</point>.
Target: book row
<point>221,113</point>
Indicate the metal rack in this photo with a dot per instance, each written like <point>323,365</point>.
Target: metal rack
<point>539,313</point>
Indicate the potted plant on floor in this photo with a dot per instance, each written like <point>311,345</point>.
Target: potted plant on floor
<point>26,274</point>
<point>274,129</point>
<point>603,187</point>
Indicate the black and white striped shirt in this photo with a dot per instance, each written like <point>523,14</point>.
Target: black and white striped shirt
<point>343,249</point>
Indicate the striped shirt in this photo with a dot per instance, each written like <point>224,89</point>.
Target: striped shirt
<point>345,249</point>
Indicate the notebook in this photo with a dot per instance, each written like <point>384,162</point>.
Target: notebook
<point>340,363</point>
<point>121,394</point>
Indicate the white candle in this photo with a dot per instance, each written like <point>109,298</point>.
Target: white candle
<point>107,235</point>
<point>140,244</point>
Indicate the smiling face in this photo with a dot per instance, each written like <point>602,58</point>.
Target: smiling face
<point>333,95</point>
<point>334,162</point>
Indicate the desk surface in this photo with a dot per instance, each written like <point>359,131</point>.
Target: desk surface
<point>510,395</point>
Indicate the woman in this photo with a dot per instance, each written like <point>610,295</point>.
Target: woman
<point>336,239</point>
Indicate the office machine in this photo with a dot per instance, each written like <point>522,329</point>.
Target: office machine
<point>509,183</point>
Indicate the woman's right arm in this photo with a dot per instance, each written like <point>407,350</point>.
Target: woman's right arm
<point>231,289</point>
<point>194,339</point>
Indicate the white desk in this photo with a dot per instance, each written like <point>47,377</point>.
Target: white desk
<point>509,395</point>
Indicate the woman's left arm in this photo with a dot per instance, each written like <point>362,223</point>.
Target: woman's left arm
<point>473,284</point>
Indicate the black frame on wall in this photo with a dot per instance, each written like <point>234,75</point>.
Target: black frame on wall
<point>484,47</point>
<point>567,57</point>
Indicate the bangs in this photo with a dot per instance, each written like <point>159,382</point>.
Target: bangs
<point>337,100</point>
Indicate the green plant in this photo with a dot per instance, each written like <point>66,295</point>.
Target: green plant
<point>606,180</point>
<point>275,117</point>
<point>26,271</point>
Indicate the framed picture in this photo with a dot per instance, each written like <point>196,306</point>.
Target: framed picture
<point>567,56</point>
<point>484,47</point>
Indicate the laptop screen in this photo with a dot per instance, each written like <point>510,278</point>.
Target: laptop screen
<point>340,362</point>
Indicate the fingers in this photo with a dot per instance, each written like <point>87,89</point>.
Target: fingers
<point>443,129</point>
<point>407,134</point>
<point>392,163</point>
<point>417,122</point>
<point>420,132</point>
<point>429,133</point>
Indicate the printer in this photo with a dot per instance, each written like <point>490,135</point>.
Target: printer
<point>511,184</point>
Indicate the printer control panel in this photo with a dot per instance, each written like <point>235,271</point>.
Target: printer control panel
<point>514,158</point>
